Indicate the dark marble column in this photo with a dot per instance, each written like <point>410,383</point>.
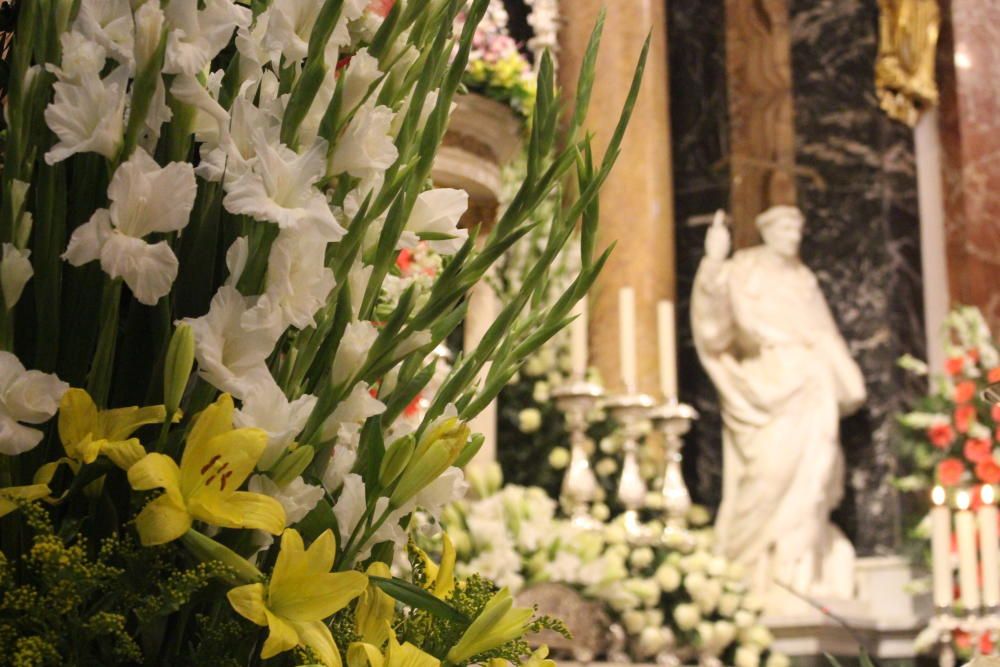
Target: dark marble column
<point>862,237</point>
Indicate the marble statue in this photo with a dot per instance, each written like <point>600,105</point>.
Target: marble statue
<point>784,376</point>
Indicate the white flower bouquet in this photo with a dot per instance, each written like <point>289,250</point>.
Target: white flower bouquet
<point>208,347</point>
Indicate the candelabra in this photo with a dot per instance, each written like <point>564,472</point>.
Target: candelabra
<point>631,410</point>
<point>673,420</point>
<point>579,485</point>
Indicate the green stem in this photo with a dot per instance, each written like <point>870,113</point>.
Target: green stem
<point>99,379</point>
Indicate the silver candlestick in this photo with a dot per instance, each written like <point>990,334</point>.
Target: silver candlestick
<point>673,419</point>
<point>631,410</point>
<point>579,485</point>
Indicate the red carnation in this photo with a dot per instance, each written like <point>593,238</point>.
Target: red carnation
<point>941,434</point>
<point>964,416</point>
<point>993,375</point>
<point>977,450</point>
<point>964,391</point>
<point>954,365</point>
<point>950,471</point>
<point>988,471</point>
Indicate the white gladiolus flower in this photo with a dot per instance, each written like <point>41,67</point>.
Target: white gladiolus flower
<point>229,357</point>
<point>357,78</point>
<point>211,121</point>
<point>289,24</point>
<point>345,422</point>
<point>297,498</point>
<point>365,149</point>
<point>108,23</point>
<point>196,36</point>
<point>80,56</point>
<point>354,346</point>
<point>437,212</point>
<point>26,396</point>
<point>15,271</point>
<point>232,155</point>
<point>298,283</point>
<point>88,115</point>
<point>267,408</point>
<point>144,199</point>
<point>746,656</point>
<point>279,189</point>
<point>349,509</point>
<point>687,616</point>
<point>340,465</point>
<point>446,489</point>
<point>149,20</point>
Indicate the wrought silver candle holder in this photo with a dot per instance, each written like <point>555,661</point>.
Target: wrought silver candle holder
<point>630,410</point>
<point>673,420</point>
<point>579,485</point>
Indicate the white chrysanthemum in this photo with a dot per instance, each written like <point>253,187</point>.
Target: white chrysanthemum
<point>108,23</point>
<point>229,357</point>
<point>88,115</point>
<point>15,272</point>
<point>437,213</point>
<point>25,396</point>
<point>365,148</point>
<point>196,36</point>
<point>279,189</point>
<point>267,408</point>
<point>145,198</point>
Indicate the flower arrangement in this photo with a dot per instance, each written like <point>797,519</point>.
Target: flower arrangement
<point>497,67</point>
<point>673,599</point>
<point>210,337</point>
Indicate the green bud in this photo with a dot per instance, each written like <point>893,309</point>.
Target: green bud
<point>436,452</point>
<point>291,465</point>
<point>471,449</point>
<point>206,549</point>
<point>177,367</point>
<point>396,459</point>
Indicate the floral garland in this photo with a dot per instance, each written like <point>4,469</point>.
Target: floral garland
<point>675,599</point>
<point>497,67</point>
<point>221,300</point>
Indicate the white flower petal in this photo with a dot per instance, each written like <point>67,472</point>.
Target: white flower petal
<point>354,346</point>
<point>148,269</point>
<point>146,198</point>
<point>366,146</point>
<point>15,271</point>
<point>87,115</point>
<point>87,240</point>
<point>439,211</point>
<point>16,439</point>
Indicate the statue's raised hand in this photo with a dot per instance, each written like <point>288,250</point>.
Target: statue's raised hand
<point>717,240</point>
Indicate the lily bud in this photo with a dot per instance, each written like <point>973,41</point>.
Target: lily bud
<point>396,459</point>
<point>177,367</point>
<point>206,549</point>
<point>292,465</point>
<point>498,623</point>
<point>471,449</point>
<point>436,452</point>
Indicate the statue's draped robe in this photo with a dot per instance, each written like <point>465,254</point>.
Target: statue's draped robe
<point>784,376</point>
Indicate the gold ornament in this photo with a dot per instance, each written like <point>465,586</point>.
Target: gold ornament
<point>904,71</point>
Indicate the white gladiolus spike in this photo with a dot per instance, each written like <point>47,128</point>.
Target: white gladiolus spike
<point>438,212</point>
<point>196,36</point>
<point>108,23</point>
<point>268,409</point>
<point>88,115</point>
<point>15,272</point>
<point>366,148</point>
<point>25,396</point>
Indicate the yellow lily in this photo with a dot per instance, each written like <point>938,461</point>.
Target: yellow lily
<point>301,594</point>
<point>217,460</point>
<point>11,494</point>
<point>87,432</point>
<point>375,608</point>
<point>498,623</point>
<point>440,580</point>
<point>362,654</point>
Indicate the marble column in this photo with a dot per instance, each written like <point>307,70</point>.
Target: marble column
<point>637,199</point>
<point>969,80</point>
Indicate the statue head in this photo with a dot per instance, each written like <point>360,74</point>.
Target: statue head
<point>781,229</point>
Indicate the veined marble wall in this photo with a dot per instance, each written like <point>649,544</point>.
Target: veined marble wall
<point>862,233</point>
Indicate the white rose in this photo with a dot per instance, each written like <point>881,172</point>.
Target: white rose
<point>606,467</point>
<point>695,583</point>
<point>634,621</point>
<point>686,616</point>
<point>717,566</point>
<point>725,633</point>
<point>652,641</point>
<point>644,589</point>
<point>746,656</point>
<point>744,619</point>
<point>698,515</point>
<point>708,596</point>
<point>668,578</point>
<point>654,617</point>
<point>600,511</point>
<point>778,660</point>
<point>729,603</point>
<point>641,557</point>
<point>559,458</point>
<point>529,420</point>
<point>758,636</point>
<point>706,632</point>
<point>540,393</point>
<point>615,534</point>
<point>736,571</point>
<point>753,602</point>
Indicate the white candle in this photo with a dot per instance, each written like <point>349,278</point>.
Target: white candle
<point>941,549</point>
<point>989,548</point>
<point>668,348</point>
<point>965,529</point>
<point>578,339</point>
<point>626,336</point>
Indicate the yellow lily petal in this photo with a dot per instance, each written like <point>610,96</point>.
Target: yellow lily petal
<point>77,418</point>
<point>259,511</point>
<point>375,609</point>
<point>123,453</point>
<point>120,423</point>
<point>444,583</point>
<point>408,655</point>
<point>281,636</point>
<point>216,419</point>
<point>294,560</point>
<point>86,450</point>
<point>248,601</point>
<point>162,520</point>
<point>363,654</point>
<point>317,636</point>
<point>156,471</point>
<point>221,464</point>
<point>29,493</point>
<point>46,472</point>
<point>314,597</point>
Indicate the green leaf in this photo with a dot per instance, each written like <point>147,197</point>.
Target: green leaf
<point>414,596</point>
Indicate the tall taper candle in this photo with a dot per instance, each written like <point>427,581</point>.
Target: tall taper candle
<point>989,548</point>
<point>965,529</point>
<point>578,339</point>
<point>626,336</point>
<point>941,549</point>
<point>668,348</point>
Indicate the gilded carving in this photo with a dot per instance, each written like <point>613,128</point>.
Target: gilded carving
<point>904,71</point>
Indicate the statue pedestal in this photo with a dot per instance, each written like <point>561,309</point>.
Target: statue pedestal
<point>885,618</point>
